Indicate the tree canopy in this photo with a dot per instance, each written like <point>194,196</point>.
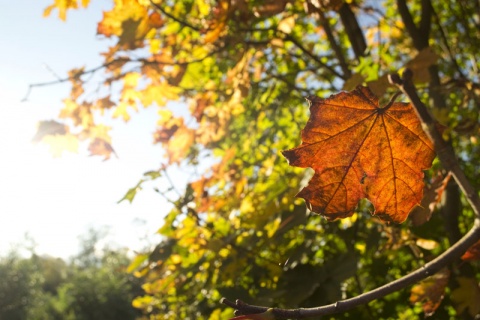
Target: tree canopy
<point>239,71</point>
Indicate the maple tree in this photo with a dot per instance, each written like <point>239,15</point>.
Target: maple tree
<point>243,69</point>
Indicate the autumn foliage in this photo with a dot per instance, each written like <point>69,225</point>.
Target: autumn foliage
<point>361,150</point>
<point>228,79</point>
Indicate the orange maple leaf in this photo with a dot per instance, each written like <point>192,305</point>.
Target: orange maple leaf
<point>360,150</point>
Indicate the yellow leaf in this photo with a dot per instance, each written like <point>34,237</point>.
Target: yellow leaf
<point>179,144</point>
<point>121,111</point>
<point>203,7</point>
<point>427,244</point>
<point>155,45</point>
<point>62,6</point>
<point>176,258</point>
<point>159,93</point>
<point>125,11</point>
<point>48,10</point>
<point>286,25</point>
<point>141,302</point>
<point>60,143</point>
<point>164,116</point>
<point>137,262</point>
<point>131,79</point>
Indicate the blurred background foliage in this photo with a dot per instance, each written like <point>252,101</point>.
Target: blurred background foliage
<point>93,284</point>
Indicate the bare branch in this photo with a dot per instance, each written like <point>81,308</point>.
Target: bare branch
<point>352,28</point>
<point>419,34</point>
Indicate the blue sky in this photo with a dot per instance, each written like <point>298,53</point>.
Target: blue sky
<point>55,200</point>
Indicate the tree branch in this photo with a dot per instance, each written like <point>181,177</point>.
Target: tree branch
<point>352,28</point>
<point>420,40</point>
<point>333,42</point>
<point>449,161</point>
<point>425,21</point>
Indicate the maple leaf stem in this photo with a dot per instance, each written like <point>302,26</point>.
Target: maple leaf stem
<point>392,101</point>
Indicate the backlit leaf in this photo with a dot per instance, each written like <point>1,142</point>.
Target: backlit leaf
<point>101,147</point>
<point>430,291</point>
<point>60,143</point>
<point>359,150</point>
<point>137,262</point>
<point>63,6</point>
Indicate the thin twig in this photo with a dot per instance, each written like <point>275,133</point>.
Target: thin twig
<point>61,80</point>
<point>126,60</point>
<point>391,101</point>
<point>51,71</point>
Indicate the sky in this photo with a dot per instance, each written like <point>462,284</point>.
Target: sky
<point>56,200</point>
